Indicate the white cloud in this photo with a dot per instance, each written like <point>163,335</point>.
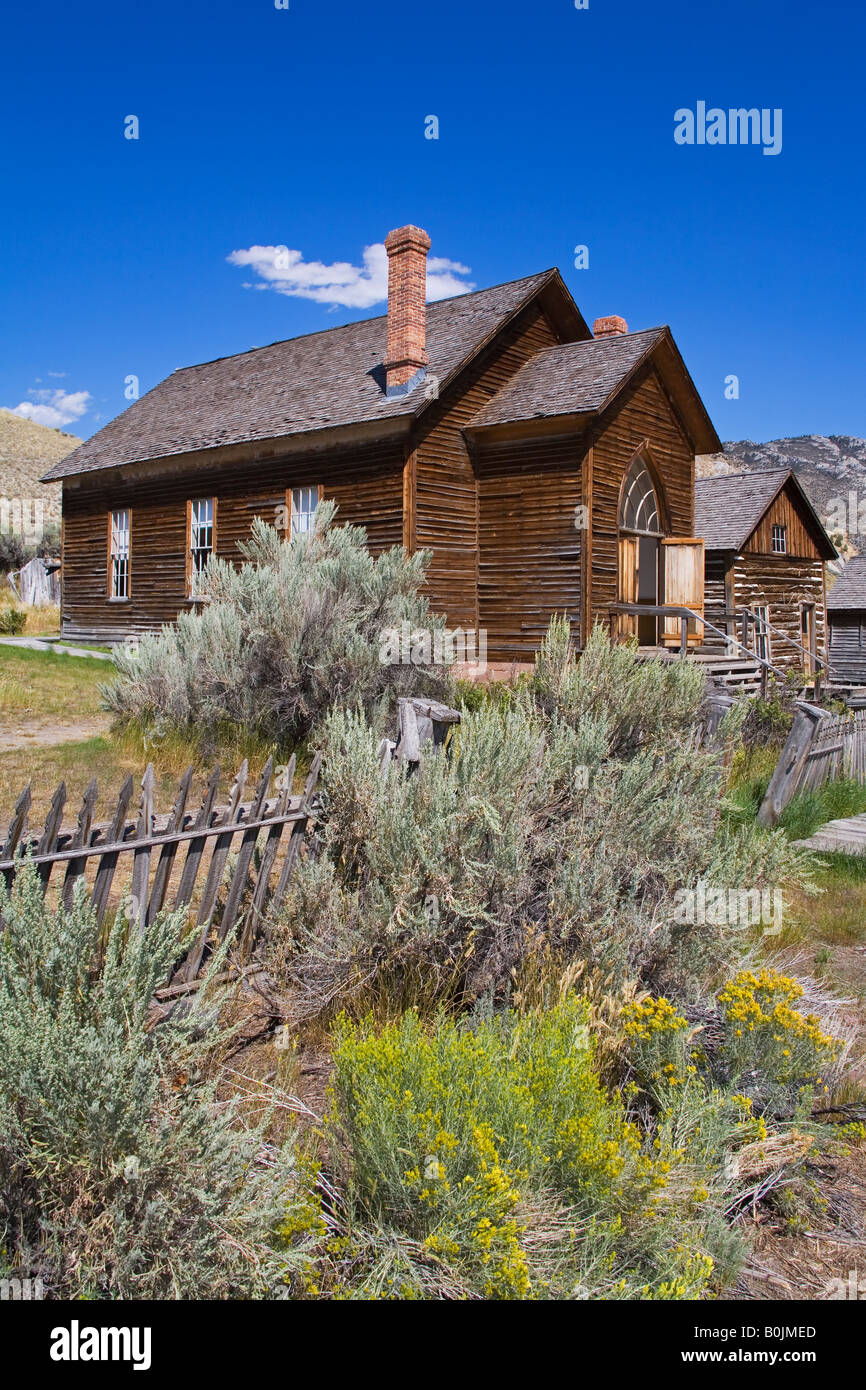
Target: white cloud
<point>341,283</point>
<point>54,408</point>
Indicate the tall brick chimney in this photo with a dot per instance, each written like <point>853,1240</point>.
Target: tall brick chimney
<point>406,357</point>
<point>609,327</point>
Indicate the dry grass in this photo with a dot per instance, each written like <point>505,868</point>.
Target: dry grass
<point>45,687</point>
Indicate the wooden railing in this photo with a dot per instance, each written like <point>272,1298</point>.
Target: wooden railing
<point>211,827</point>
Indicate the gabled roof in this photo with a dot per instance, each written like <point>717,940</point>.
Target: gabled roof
<point>849,591</point>
<point>320,381</point>
<point>729,507</point>
<point>583,378</point>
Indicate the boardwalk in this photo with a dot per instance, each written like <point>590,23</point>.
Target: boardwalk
<point>840,836</point>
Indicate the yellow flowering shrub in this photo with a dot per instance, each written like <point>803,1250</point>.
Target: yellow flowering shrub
<point>768,1036</point>
<point>499,1167</point>
<point>658,1038</point>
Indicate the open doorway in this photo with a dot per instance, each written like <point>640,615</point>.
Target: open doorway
<point>640,536</point>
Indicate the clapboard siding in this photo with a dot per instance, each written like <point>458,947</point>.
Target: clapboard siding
<point>645,414</point>
<point>446,491</point>
<point>787,510</point>
<point>366,483</point>
<point>529,548</point>
<point>848,647</point>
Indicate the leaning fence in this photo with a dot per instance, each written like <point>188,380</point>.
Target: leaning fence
<point>252,831</point>
<point>821,747</point>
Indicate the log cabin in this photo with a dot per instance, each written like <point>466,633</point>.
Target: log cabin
<point>764,553</point>
<point>549,469</point>
<point>846,615</point>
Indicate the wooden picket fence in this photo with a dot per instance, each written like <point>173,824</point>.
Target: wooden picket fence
<point>821,747</point>
<point>144,836</point>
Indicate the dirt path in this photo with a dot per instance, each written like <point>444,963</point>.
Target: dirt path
<point>35,733</point>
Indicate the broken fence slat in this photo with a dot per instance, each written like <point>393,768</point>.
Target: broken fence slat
<point>81,839</point>
<point>141,855</point>
<point>269,854</point>
<point>108,862</point>
<point>218,858</point>
<point>294,845</point>
<point>245,854</point>
<point>168,852</point>
<point>50,833</point>
<point>196,846</point>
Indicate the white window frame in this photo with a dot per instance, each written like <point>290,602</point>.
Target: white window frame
<point>780,535</point>
<point>119,554</point>
<point>303,504</point>
<point>201,520</point>
<point>763,646</point>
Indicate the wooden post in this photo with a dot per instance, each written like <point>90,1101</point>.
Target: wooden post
<point>684,636</point>
<point>784,780</point>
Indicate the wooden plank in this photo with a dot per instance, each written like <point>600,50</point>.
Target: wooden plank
<point>197,844</point>
<point>294,847</point>
<point>75,867</point>
<point>108,861</point>
<point>269,854</point>
<point>245,854</point>
<point>167,855</point>
<point>214,875</point>
<point>788,771</point>
<point>17,824</point>
<point>142,852</point>
<point>50,833</point>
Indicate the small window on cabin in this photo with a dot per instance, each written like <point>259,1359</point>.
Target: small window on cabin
<point>118,573</point>
<point>780,540</point>
<point>201,539</point>
<point>305,500</point>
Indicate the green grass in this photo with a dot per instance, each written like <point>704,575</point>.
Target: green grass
<point>810,810</point>
<point>46,686</point>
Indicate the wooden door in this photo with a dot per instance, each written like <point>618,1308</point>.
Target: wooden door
<point>628,583</point>
<point>684,587</point>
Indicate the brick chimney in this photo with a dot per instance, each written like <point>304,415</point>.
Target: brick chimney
<point>406,357</point>
<point>609,327</point>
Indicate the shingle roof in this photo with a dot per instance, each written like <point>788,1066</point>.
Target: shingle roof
<point>318,381</point>
<point>728,508</point>
<point>849,591</point>
<point>570,379</point>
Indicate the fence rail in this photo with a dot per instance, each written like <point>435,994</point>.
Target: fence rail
<point>211,827</point>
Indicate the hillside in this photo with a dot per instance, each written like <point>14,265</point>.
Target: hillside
<point>28,450</point>
<point>827,467</point>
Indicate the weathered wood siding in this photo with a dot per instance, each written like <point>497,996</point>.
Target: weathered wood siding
<point>645,413</point>
<point>446,490</point>
<point>529,548</point>
<point>848,647</point>
<point>784,583</point>
<point>366,483</point>
<point>787,510</point>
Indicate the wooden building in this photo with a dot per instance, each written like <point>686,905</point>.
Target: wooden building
<point>846,614</point>
<point>765,551</point>
<point>549,469</point>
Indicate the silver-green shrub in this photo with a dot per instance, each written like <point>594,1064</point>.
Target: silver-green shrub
<point>121,1176</point>
<point>573,817</point>
<point>286,635</point>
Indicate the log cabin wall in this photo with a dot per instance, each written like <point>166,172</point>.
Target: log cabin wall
<point>442,473</point>
<point>366,482</point>
<point>784,583</point>
<point>529,547</point>
<point>645,413</point>
<point>717,580</point>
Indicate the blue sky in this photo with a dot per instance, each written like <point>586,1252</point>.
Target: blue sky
<point>305,128</point>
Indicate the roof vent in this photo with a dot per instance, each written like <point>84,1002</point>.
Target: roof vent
<point>406,357</point>
<point>609,327</point>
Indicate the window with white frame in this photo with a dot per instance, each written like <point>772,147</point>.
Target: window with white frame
<point>201,539</point>
<point>118,558</point>
<point>780,540</point>
<point>305,500</point>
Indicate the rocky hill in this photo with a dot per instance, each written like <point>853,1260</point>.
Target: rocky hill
<point>28,450</point>
<point>829,469</point>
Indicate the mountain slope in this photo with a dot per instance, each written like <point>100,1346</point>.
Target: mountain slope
<point>28,450</point>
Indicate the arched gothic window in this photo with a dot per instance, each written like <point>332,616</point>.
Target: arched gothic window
<point>639,510</point>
